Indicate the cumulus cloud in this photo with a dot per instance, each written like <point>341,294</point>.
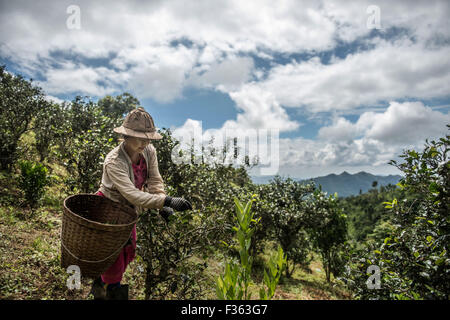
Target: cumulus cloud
<point>156,49</point>
<point>402,124</point>
<point>227,75</point>
<point>367,144</point>
<point>229,146</point>
<point>389,71</point>
<point>225,26</point>
<point>425,20</point>
<point>261,111</point>
<point>373,140</point>
<point>406,123</point>
<point>53,99</point>
<point>80,79</point>
<point>157,72</point>
<point>137,32</point>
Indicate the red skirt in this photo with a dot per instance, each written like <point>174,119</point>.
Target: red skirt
<point>115,272</point>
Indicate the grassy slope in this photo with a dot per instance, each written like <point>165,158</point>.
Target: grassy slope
<point>30,257</point>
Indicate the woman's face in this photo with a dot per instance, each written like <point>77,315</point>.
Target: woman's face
<point>136,145</point>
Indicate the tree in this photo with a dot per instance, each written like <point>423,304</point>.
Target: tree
<point>413,258</point>
<point>328,230</point>
<point>118,106</point>
<point>166,248</point>
<point>210,187</point>
<point>284,219</point>
<point>46,127</point>
<point>20,100</point>
<point>84,139</point>
<point>366,211</point>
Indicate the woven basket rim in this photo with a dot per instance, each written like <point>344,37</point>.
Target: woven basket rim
<point>99,224</point>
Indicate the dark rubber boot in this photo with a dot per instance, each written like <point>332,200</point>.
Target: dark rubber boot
<point>98,289</point>
<point>120,293</point>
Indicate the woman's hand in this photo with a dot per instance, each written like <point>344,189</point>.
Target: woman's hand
<point>178,204</point>
<point>166,213</point>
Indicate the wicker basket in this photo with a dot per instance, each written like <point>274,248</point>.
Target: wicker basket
<point>94,230</point>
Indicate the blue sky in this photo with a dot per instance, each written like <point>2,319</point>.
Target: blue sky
<point>346,87</point>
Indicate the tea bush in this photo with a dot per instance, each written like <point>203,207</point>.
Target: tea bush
<point>413,259</point>
<point>284,219</point>
<point>20,100</point>
<point>328,231</point>
<point>32,181</point>
<point>84,139</point>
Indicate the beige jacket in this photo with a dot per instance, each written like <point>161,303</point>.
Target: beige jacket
<point>118,180</point>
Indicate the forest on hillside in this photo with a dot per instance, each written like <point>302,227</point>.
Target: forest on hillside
<point>389,243</point>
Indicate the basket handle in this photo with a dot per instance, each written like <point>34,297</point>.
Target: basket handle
<point>87,261</point>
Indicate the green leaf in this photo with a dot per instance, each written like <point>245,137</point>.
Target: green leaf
<point>388,205</point>
<point>266,278</point>
<point>224,243</point>
<point>413,154</point>
<point>434,188</point>
<point>238,204</point>
<point>400,185</point>
<point>262,294</point>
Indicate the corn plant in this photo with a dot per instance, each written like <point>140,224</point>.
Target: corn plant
<point>276,264</point>
<point>236,280</point>
<point>233,285</point>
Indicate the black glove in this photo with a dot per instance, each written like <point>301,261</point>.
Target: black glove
<point>166,212</point>
<point>178,204</point>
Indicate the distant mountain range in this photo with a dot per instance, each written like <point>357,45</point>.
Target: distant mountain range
<point>345,184</point>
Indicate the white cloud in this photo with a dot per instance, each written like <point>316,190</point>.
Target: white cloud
<point>227,75</point>
<point>73,78</point>
<point>221,36</point>
<point>368,144</point>
<point>401,124</point>
<point>230,28</point>
<point>303,158</point>
<point>157,72</point>
<point>341,130</point>
<point>389,71</point>
<point>426,20</point>
<point>226,26</point>
<point>373,140</point>
<point>258,145</point>
<point>53,99</point>
<point>261,111</point>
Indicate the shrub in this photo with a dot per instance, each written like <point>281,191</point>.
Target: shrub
<point>84,139</point>
<point>166,250</point>
<point>328,230</point>
<point>33,180</point>
<point>19,102</point>
<point>284,219</point>
<point>413,259</point>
